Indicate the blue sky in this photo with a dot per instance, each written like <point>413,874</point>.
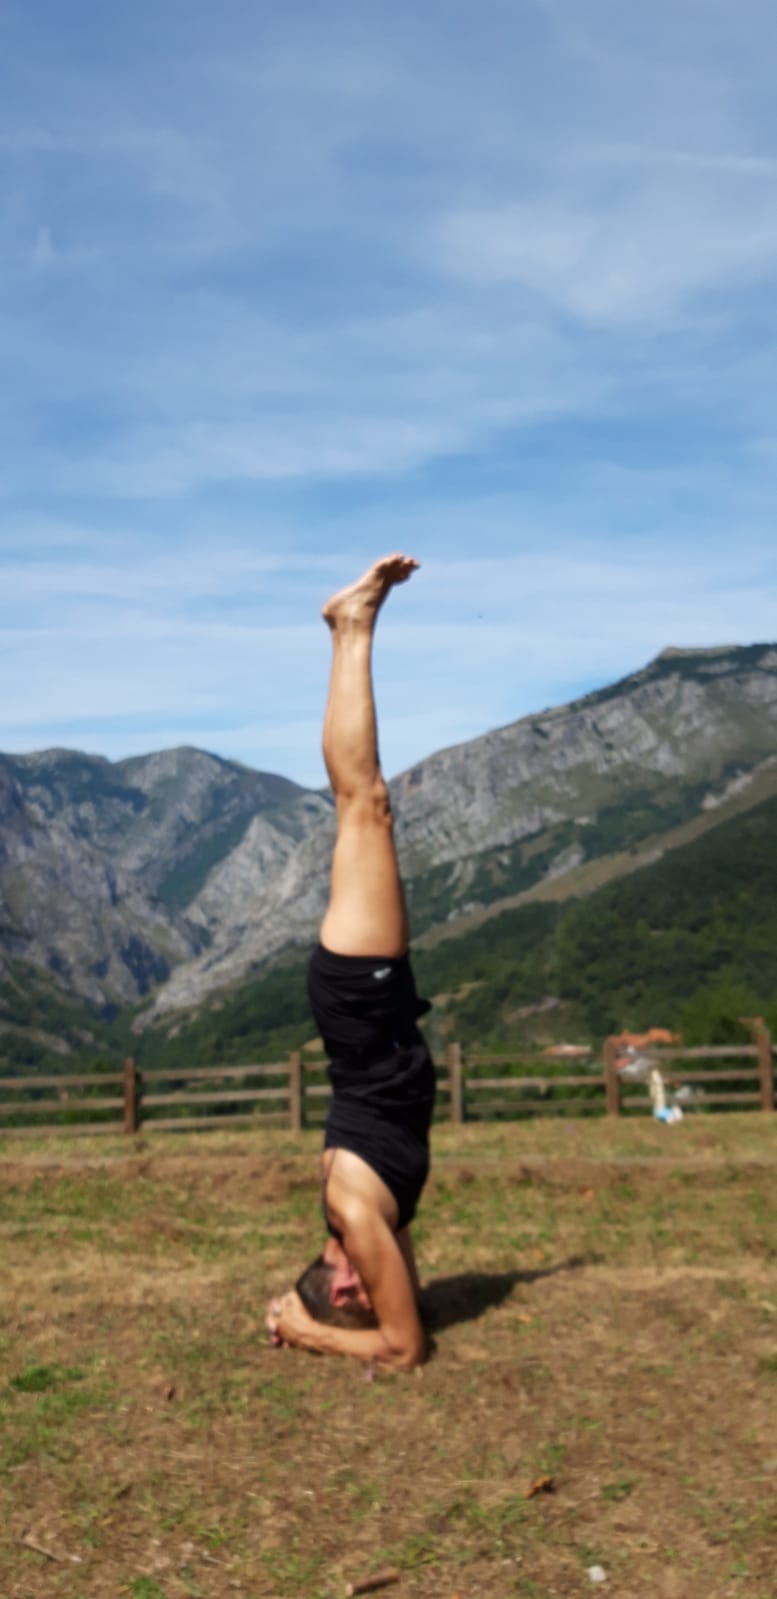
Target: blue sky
<point>285,287</point>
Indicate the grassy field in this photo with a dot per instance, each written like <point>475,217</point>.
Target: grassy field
<point>603,1299</point>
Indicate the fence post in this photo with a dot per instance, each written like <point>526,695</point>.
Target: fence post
<point>454,1078</point>
<point>131,1119</point>
<point>295,1092</point>
<point>612,1084</point>
<point>763,1039</point>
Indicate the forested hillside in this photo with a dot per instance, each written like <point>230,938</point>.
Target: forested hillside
<point>171,878</point>
<point>689,942</point>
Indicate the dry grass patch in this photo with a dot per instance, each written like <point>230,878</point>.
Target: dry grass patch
<point>603,1300</point>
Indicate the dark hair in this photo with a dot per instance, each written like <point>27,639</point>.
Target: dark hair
<point>314,1288</point>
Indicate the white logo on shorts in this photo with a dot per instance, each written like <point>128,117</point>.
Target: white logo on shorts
<point>382,973</point>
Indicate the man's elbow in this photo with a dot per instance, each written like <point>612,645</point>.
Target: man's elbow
<point>404,1354</point>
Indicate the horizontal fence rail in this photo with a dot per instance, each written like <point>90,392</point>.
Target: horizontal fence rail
<point>668,1058</point>
<point>291,1094</point>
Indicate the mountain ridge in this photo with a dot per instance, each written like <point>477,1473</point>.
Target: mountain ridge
<point>171,875</point>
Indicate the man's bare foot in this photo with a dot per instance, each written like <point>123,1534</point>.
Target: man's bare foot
<point>358,605</point>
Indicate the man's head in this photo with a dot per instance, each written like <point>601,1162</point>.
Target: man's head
<point>332,1290</point>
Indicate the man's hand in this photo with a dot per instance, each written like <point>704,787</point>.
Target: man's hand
<point>288,1322</point>
<point>271,1321</point>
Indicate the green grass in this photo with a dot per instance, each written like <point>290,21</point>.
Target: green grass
<point>601,1305</point>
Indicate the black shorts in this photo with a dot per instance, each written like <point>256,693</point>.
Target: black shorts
<point>380,1068</point>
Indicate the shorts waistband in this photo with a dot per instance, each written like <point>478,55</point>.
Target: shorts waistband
<point>329,959</point>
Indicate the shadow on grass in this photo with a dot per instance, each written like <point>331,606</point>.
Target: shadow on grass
<point>470,1294</point>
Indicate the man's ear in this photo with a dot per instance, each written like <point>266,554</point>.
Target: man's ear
<point>344,1282</point>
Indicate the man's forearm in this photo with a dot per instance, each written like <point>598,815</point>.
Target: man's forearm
<point>294,1326</point>
<point>366,1343</point>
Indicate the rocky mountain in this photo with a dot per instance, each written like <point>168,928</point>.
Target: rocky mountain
<point>486,821</point>
<point>101,862</point>
<point>538,798</point>
<point>182,873</point>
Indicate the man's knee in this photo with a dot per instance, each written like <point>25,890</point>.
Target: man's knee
<point>366,803</point>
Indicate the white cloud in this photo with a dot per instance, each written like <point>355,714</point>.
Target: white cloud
<point>473,642</point>
<point>205,176</point>
<point>280,297</point>
<point>642,255</point>
<point>43,254</point>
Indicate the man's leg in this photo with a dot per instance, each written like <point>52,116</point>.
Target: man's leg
<point>366,913</point>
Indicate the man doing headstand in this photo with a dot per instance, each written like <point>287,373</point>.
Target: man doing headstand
<point>376,1147</point>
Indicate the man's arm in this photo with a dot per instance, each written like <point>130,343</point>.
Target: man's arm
<point>387,1272</point>
<point>378,1256</point>
<point>292,1324</point>
<point>408,1255</point>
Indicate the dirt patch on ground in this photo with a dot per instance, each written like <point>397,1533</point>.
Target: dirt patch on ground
<point>604,1316</point>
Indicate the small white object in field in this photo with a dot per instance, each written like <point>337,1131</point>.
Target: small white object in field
<point>637,1064</point>
<point>597,1573</point>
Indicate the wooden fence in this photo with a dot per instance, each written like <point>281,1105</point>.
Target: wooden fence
<point>293,1093</point>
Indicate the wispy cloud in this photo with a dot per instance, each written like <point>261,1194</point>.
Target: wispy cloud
<point>693,230</point>
<point>289,287</point>
<point>174,654</point>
